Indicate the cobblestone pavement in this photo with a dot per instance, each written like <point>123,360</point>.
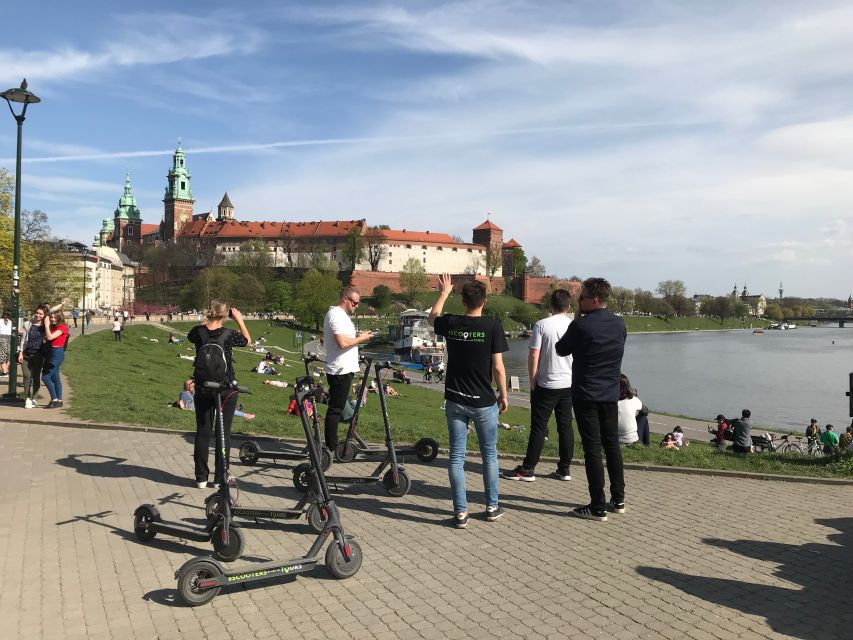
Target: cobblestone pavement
<point>695,557</point>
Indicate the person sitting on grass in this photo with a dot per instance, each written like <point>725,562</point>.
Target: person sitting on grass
<point>678,436</point>
<point>186,401</point>
<point>845,439</point>
<point>174,340</point>
<point>668,442</point>
<point>265,369</point>
<point>390,391</point>
<point>720,432</point>
<point>829,439</point>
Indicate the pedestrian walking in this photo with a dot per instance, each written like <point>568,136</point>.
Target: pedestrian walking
<point>596,340</point>
<point>341,342</point>
<point>74,314</point>
<point>117,330</point>
<point>475,348</point>
<point>550,378</point>
<point>5,342</point>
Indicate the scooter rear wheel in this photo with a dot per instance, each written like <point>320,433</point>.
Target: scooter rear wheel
<point>337,563</point>
<point>401,487</point>
<point>198,571</point>
<point>426,449</point>
<point>345,452</point>
<point>325,458</point>
<point>302,476</point>
<point>212,506</point>
<point>316,519</point>
<point>231,551</point>
<point>144,516</point>
<point>249,453</point>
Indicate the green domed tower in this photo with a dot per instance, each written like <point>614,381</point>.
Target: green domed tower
<point>178,200</point>
<point>127,221</point>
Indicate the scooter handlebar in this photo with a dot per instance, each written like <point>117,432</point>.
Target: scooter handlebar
<point>215,386</point>
<point>311,357</point>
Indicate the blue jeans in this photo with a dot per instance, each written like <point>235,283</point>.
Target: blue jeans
<point>486,423</point>
<point>51,376</point>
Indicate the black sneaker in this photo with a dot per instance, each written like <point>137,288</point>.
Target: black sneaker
<point>561,475</point>
<point>460,520</point>
<point>519,473</point>
<point>616,507</point>
<point>590,513</point>
<point>493,513</point>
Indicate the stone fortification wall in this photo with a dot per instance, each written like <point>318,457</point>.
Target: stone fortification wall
<point>366,281</point>
<point>532,289</point>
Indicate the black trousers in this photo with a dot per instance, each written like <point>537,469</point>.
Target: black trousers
<point>205,415</point>
<point>544,402</point>
<point>339,388</point>
<point>598,426</point>
<point>643,429</point>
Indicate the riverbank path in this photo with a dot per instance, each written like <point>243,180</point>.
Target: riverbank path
<point>693,557</point>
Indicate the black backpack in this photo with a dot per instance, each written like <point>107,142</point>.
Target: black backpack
<point>210,363</point>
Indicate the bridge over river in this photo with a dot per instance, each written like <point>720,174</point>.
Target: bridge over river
<point>840,320</point>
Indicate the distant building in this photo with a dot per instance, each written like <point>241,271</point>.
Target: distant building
<point>109,278</point>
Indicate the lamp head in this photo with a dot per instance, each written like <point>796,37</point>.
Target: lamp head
<point>21,94</point>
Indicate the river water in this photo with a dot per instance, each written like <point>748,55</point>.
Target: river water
<point>784,377</point>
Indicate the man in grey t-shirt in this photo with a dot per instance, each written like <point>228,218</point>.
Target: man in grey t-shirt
<point>743,432</point>
<point>550,391</point>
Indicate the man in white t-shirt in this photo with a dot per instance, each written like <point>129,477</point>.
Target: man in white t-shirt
<point>341,342</point>
<point>550,391</point>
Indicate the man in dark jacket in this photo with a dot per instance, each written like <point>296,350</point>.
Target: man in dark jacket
<point>743,432</point>
<point>597,342</point>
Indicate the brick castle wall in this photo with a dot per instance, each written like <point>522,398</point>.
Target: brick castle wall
<point>366,281</point>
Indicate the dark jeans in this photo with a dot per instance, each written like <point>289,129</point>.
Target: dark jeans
<point>739,449</point>
<point>544,402</point>
<point>643,429</point>
<point>32,366</point>
<point>598,426</point>
<point>205,414</point>
<point>117,335</point>
<point>339,388</point>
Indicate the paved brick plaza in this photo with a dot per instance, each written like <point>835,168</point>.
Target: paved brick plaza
<point>682,563</point>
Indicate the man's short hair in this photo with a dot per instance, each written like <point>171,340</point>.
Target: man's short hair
<point>473,294</point>
<point>561,299</point>
<point>347,291</point>
<point>599,288</point>
<point>746,413</point>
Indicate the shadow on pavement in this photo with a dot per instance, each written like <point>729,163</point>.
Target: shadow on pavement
<point>823,570</point>
<point>114,467</point>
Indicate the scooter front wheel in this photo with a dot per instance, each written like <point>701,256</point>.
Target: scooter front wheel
<point>302,476</point>
<point>426,449</point>
<point>399,488</point>
<point>325,458</point>
<point>231,551</point>
<point>190,581</point>
<point>338,564</point>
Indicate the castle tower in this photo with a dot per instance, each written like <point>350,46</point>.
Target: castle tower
<point>491,235</point>
<point>127,220</point>
<point>225,211</point>
<point>178,201</point>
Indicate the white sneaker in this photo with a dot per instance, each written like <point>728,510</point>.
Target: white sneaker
<point>28,404</point>
<point>201,485</point>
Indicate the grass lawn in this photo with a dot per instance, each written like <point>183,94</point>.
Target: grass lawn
<point>133,382</point>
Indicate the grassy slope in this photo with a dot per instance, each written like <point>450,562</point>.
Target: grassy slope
<point>133,381</point>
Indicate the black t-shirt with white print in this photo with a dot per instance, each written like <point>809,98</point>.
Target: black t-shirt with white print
<point>470,341</point>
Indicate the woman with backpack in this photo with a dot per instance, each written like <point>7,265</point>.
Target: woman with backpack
<point>213,343</point>
<point>56,334</point>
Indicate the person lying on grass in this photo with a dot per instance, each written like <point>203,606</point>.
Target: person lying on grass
<point>186,401</point>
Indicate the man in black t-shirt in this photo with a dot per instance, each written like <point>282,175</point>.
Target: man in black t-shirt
<point>475,346</point>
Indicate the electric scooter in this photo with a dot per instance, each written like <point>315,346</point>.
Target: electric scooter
<point>226,538</point>
<point>354,445</point>
<point>200,579</point>
<point>252,450</point>
<point>396,481</point>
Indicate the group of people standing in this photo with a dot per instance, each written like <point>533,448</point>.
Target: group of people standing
<point>41,352</point>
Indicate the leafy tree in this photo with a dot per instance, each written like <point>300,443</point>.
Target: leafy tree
<point>7,192</point>
<point>519,262</point>
<point>773,312</point>
<point>318,259</point>
<point>376,247</point>
<point>211,283</point>
<point>740,309</point>
<point>353,251</point>
<point>314,295</point>
<point>249,293</point>
<point>253,257</point>
<point>48,272</point>
<point>621,300</point>
<point>787,312</point>
<point>413,279</point>
<point>381,296</point>
<point>491,259</point>
<point>673,293</point>
<point>644,301</point>
<point>721,307</point>
<point>279,295</point>
<point>535,268</point>
<point>575,279</point>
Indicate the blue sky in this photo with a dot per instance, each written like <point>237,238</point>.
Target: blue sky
<point>704,141</point>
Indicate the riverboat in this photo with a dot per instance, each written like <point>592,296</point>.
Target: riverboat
<point>758,332</point>
<point>412,335</point>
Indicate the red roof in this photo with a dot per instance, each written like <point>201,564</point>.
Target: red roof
<point>511,244</point>
<point>243,229</point>
<point>488,224</point>
<point>394,235</point>
<point>145,229</point>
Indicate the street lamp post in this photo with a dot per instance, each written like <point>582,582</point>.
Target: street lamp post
<point>22,96</point>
